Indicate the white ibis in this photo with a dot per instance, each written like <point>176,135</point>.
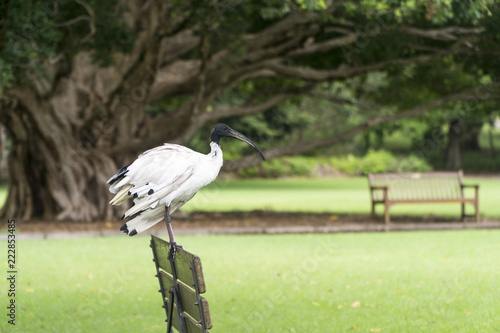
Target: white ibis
<point>164,178</point>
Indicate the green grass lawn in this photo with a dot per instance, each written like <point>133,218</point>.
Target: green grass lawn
<point>336,195</point>
<point>444,281</point>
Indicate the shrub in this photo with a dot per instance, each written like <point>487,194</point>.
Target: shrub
<point>378,161</point>
<point>480,161</point>
<point>349,164</point>
<point>282,167</point>
<point>373,161</point>
<point>412,163</point>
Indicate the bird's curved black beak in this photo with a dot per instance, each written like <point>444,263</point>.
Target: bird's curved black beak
<point>237,135</point>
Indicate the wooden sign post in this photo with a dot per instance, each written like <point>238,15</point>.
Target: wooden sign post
<point>181,285</point>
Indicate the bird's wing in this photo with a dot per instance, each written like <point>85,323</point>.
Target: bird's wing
<point>165,153</point>
<point>156,173</point>
<point>156,193</point>
<point>118,176</point>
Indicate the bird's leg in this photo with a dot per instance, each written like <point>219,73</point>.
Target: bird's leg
<point>169,226</point>
<point>171,237</point>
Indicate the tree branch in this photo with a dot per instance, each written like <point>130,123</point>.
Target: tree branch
<point>325,46</point>
<point>340,100</point>
<point>291,37</point>
<point>225,111</point>
<point>275,33</point>
<point>342,72</point>
<point>442,34</point>
<point>91,13</point>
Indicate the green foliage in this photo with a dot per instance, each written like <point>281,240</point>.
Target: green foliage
<point>379,161</point>
<point>267,129</point>
<point>489,40</point>
<point>6,75</point>
<point>373,162</point>
<point>34,31</point>
<point>413,163</point>
<point>29,36</point>
<point>112,33</point>
<point>277,8</point>
<point>281,167</point>
<point>489,138</point>
<point>481,161</point>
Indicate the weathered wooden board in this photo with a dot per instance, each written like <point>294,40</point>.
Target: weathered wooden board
<point>189,299</point>
<point>192,325</point>
<point>182,263</point>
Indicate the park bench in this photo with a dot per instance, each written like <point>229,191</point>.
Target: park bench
<point>428,187</point>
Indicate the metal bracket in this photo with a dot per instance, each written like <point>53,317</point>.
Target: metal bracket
<point>176,300</point>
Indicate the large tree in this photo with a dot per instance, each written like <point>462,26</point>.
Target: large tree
<point>78,77</point>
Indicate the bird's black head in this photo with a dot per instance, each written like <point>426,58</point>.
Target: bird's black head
<point>221,130</point>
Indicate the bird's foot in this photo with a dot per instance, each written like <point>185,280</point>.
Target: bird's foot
<point>173,250</point>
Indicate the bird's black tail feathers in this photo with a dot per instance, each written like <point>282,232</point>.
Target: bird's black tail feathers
<point>119,175</point>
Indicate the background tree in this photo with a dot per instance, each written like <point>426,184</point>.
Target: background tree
<point>87,85</point>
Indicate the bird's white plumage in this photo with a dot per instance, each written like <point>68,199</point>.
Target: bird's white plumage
<point>168,175</point>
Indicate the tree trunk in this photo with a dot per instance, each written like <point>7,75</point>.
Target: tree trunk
<point>470,135</point>
<point>62,127</point>
<point>453,152</point>
<point>52,172</point>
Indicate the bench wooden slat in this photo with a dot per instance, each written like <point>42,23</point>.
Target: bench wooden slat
<point>446,188</point>
<point>192,325</point>
<point>189,299</point>
<point>440,190</point>
<point>182,261</point>
<point>416,187</point>
<point>432,200</point>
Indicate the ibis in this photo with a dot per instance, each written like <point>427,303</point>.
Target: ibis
<point>163,179</point>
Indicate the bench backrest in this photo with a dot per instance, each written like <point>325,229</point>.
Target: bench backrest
<point>418,186</point>
<point>190,283</point>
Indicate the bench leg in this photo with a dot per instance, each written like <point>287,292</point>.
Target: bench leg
<point>386,214</point>
<point>373,210</point>
<point>476,205</point>
<point>463,212</point>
